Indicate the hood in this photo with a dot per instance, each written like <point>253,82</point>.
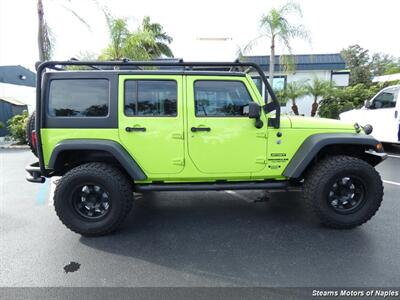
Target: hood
<point>350,114</point>
<point>320,123</point>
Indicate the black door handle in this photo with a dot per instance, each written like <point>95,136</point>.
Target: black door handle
<point>194,129</point>
<point>130,129</point>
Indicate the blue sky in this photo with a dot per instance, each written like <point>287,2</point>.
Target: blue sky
<point>333,25</point>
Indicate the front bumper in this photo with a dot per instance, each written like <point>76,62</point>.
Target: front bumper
<point>377,157</point>
<point>34,173</point>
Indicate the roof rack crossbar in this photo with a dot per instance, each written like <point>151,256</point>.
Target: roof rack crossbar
<point>90,66</point>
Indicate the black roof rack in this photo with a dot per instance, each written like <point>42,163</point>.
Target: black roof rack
<point>230,66</point>
<point>60,66</point>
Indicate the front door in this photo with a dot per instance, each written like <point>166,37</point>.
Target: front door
<point>221,137</point>
<point>151,121</point>
<point>384,116</point>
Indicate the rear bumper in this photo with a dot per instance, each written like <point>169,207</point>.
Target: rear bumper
<point>34,173</point>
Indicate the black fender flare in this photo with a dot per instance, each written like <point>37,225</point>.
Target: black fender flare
<point>314,143</point>
<point>115,149</point>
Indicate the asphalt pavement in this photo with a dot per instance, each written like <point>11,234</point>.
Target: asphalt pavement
<point>195,239</point>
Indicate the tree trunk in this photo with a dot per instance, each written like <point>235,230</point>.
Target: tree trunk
<point>272,62</point>
<point>294,107</point>
<point>41,30</point>
<point>314,107</point>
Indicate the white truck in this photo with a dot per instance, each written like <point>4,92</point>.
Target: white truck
<point>382,112</point>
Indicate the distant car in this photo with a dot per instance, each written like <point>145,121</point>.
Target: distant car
<point>382,112</point>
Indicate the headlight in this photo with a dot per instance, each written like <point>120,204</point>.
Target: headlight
<point>368,129</point>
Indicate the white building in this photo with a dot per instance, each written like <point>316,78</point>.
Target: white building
<point>17,93</point>
<point>18,82</point>
<point>329,67</point>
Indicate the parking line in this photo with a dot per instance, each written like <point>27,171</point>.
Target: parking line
<point>51,194</point>
<point>394,156</point>
<point>391,182</point>
<point>43,193</point>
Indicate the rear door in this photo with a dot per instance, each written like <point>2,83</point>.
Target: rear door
<point>221,137</point>
<point>151,121</point>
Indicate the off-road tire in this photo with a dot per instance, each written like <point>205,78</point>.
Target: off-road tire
<point>113,180</point>
<point>317,185</point>
<point>30,126</point>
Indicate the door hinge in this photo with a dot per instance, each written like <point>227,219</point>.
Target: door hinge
<point>262,135</point>
<point>177,135</point>
<point>261,160</point>
<point>178,161</point>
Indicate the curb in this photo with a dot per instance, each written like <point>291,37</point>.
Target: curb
<point>14,147</point>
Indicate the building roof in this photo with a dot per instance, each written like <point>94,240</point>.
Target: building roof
<point>18,75</point>
<point>12,101</point>
<point>384,78</point>
<point>303,62</point>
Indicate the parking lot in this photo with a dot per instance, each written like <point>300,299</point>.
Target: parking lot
<point>195,239</point>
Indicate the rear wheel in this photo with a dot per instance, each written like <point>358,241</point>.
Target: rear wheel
<point>343,191</point>
<point>93,199</point>
<point>30,126</point>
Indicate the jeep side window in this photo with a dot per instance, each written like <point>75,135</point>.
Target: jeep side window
<point>79,98</point>
<point>386,99</point>
<point>150,98</point>
<point>221,98</point>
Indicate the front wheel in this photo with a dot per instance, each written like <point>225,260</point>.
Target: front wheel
<point>93,199</point>
<point>343,191</point>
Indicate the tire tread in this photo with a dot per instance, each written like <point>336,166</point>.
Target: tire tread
<point>324,169</point>
<point>112,174</point>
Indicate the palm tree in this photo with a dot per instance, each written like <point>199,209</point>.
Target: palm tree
<point>45,37</point>
<point>317,88</point>
<point>45,40</point>
<point>125,43</point>
<point>293,91</point>
<point>144,43</point>
<point>162,39</point>
<point>276,27</point>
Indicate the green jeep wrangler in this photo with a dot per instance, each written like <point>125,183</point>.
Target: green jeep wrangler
<point>114,128</point>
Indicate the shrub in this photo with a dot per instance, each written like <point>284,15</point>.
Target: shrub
<point>1,125</point>
<point>17,126</point>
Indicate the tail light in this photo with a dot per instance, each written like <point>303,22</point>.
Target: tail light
<point>34,139</point>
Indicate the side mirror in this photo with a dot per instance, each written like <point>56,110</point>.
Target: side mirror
<point>255,113</point>
<point>367,104</point>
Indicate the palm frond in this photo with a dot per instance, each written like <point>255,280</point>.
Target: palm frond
<point>299,31</point>
<point>253,43</point>
<point>318,87</point>
<point>76,15</point>
<point>290,7</point>
<point>296,89</point>
<point>288,63</point>
<point>164,49</point>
